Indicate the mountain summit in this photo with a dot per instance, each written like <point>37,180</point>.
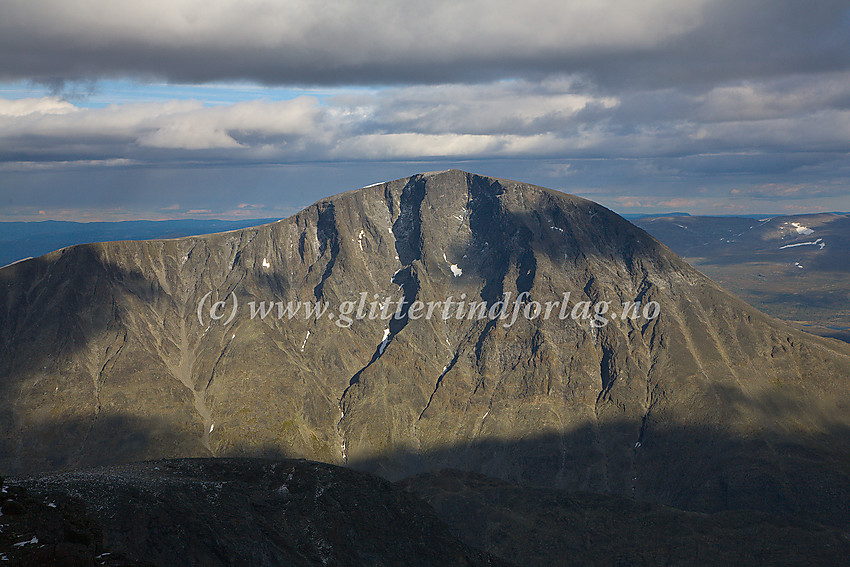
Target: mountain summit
<point>119,352</point>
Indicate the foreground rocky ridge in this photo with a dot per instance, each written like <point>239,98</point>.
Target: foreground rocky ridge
<point>218,512</point>
<point>38,530</point>
<point>710,406</point>
<point>292,512</point>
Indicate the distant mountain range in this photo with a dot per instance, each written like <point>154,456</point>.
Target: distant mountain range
<point>793,267</point>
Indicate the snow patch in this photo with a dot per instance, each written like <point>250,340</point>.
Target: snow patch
<point>374,185</point>
<point>802,229</point>
<point>212,426</point>
<point>360,239</point>
<point>266,263</point>
<point>815,243</point>
<point>561,230</point>
<point>384,341</point>
<point>51,505</point>
<point>454,267</point>
<point>30,542</point>
<point>305,341</point>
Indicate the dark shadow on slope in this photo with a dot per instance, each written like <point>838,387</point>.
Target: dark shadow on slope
<point>51,309</point>
<point>77,442</point>
<point>62,300</point>
<point>688,467</point>
<point>545,527</point>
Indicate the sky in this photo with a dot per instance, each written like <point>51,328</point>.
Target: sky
<point>118,110</point>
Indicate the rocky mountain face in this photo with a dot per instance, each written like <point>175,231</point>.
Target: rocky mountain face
<point>709,406</point>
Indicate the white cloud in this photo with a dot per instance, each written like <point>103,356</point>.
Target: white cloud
<point>118,131</point>
<point>27,106</point>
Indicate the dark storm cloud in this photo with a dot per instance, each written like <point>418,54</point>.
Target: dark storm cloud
<point>616,43</point>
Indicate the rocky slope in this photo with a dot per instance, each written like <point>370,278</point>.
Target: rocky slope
<point>38,530</point>
<point>710,406</point>
<point>217,512</point>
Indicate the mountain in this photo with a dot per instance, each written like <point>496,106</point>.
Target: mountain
<point>709,406</point>
<point>793,267</point>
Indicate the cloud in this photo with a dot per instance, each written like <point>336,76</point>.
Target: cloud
<point>298,41</point>
<point>778,129</point>
<point>28,106</point>
<point>615,42</point>
<point>48,130</point>
<point>639,104</point>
